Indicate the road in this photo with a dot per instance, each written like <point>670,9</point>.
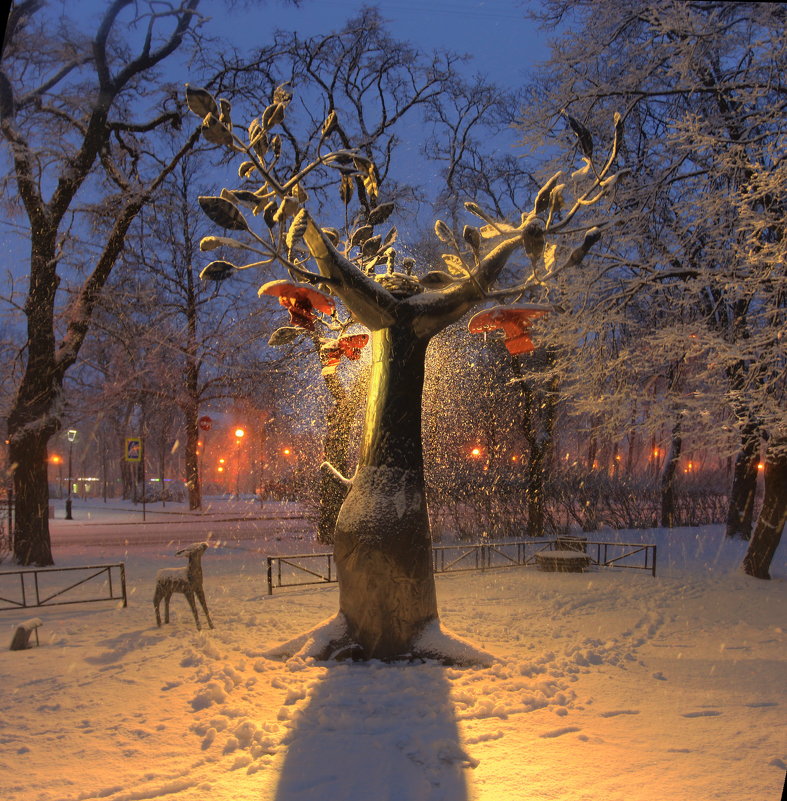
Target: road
<point>265,532</point>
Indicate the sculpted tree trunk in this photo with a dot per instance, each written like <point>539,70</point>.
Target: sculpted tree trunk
<point>382,544</point>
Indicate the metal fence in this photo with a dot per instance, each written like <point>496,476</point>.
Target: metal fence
<point>57,586</point>
<point>299,570</point>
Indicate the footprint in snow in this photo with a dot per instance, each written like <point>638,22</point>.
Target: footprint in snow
<point>561,732</point>
<point>616,712</point>
<point>706,713</point>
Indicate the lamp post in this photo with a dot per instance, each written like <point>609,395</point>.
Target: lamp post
<point>72,435</point>
<point>239,434</point>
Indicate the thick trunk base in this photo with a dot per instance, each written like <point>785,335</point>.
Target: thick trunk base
<point>28,457</point>
<point>331,641</point>
<point>383,555</point>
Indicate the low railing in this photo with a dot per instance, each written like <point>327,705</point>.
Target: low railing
<point>42,585</point>
<point>297,570</point>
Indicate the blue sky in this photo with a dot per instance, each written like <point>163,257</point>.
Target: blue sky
<point>503,43</point>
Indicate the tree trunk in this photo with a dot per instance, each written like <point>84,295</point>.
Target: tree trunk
<point>32,419</point>
<point>740,512</point>
<point>668,479</point>
<point>28,457</point>
<point>382,540</point>
<point>193,477</point>
<point>535,491</point>
<point>773,515</point>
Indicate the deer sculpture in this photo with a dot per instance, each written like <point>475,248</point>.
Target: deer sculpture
<point>186,580</point>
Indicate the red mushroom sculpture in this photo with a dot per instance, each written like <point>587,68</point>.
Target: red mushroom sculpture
<point>514,320</point>
<point>331,352</point>
<point>352,344</point>
<point>299,300</point>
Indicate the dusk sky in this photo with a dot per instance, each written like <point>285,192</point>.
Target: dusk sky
<point>503,43</point>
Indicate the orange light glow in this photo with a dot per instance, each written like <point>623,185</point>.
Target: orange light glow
<point>475,452</point>
<point>220,469</point>
<point>286,451</point>
<point>239,432</point>
<point>55,459</point>
<point>761,465</point>
<point>221,461</point>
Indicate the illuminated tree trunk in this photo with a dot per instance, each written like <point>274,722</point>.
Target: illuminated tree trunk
<point>770,524</point>
<point>382,540</point>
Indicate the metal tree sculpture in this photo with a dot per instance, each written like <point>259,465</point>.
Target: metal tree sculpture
<point>382,544</point>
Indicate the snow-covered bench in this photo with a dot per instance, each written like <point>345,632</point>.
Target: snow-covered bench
<point>568,555</point>
<point>21,639</point>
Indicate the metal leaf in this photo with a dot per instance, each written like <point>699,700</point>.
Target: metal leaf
<point>455,264</point>
<point>443,232</point>
<point>582,134</point>
<point>542,198</point>
<point>284,336</point>
<point>371,245</point>
<point>380,213</point>
<point>331,121</point>
<point>213,242</point>
<point>246,168</point>
<point>360,235</point>
<point>297,229</point>
<point>201,102</point>
<point>223,213</point>
<point>217,271</point>
<point>390,237</point>
<point>213,131</point>
<point>472,236</point>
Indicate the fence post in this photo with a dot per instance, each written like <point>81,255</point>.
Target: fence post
<point>653,572</point>
<point>123,583</point>
<point>270,575</point>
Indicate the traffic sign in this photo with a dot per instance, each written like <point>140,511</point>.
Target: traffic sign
<point>133,449</point>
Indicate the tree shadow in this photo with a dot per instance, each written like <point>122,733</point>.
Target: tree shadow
<point>376,731</point>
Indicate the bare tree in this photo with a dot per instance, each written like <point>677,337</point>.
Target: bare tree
<point>68,105</point>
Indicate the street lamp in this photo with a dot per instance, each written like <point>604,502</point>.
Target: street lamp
<point>239,434</point>
<point>71,434</point>
<point>55,459</point>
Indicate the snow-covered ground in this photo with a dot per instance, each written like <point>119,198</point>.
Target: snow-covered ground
<point>609,685</point>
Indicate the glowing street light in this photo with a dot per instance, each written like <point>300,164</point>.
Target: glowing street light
<point>71,435</point>
<point>239,435</point>
<point>58,460</point>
